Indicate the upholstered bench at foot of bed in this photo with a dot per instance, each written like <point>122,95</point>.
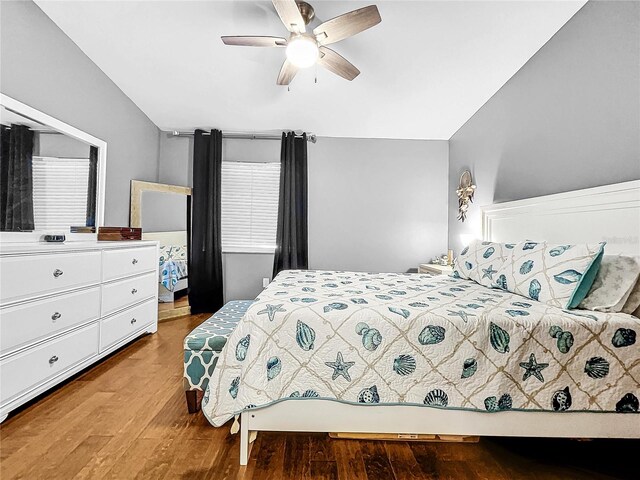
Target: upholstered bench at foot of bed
<point>203,346</point>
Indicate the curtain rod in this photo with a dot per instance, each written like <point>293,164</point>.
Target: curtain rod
<point>48,132</point>
<point>311,137</point>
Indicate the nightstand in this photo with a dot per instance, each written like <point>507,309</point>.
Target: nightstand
<point>435,269</point>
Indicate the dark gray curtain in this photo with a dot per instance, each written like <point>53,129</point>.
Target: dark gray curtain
<point>16,178</point>
<point>92,189</point>
<point>4,174</point>
<point>205,250</point>
<point>292,251</point>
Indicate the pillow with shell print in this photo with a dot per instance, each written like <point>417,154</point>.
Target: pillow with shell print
<point>558,275</point>
<point>480,261</point>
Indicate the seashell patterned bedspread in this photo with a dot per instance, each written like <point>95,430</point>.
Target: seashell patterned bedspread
<point>432,341</point>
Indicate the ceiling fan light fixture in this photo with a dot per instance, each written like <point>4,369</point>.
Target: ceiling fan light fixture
<point>302,51</point>
<point>305,49</point>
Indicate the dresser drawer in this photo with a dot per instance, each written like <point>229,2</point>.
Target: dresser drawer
<point>123,324</point>
<point>122,293</point>
<point>31,275</point>
<point>27,370</point>
<point>29,322</point>
<point>130,261</point>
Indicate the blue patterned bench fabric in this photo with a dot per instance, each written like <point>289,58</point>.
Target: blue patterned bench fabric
<point>204,344</point>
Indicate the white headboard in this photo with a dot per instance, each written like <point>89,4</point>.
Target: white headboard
<point>610,213</point>
<point>167,238</point>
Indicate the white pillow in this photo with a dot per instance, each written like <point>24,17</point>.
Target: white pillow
<point>558,275</point>
<point>613,285</point>
<point>480,261</point>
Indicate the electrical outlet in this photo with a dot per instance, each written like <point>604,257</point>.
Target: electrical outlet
<point>265,282</point>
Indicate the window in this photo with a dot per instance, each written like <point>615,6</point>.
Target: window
<point>60,192</point>
<point>250,193</point>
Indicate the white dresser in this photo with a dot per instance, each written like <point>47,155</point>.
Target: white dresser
<point>65,306</point>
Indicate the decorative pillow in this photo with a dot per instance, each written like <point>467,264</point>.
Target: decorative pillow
<point>632,305</point>
<point>480,261</point>
<point>558,275</point>
<point>613,285</point>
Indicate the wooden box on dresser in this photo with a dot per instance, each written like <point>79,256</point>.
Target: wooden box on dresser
<point>65,306</point>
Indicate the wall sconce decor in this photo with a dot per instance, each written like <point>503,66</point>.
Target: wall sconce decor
<point>465,192</point>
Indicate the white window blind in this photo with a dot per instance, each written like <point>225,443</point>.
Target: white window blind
<point>250,194</point>
<point>60,188</point>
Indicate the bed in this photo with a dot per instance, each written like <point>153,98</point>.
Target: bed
<point>414,354</point>
<point>173,274</point>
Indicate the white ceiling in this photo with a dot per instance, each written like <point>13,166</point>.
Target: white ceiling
<point>426,69</point>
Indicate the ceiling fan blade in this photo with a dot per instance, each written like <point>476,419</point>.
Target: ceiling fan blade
<point>287,72</point>
<point>347,25</point>
<point>336,63</point>
<point>254,41</point>
<point>290,15</point>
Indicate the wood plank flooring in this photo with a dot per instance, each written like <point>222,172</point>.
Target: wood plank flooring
<point>126,418</point>
<point>177,308</point>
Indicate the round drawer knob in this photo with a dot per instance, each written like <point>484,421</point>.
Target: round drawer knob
<point>56,316</point>
<point>57,272</point>
<point>53,360</point>
<point>134,261</point>
<point>133,320</point>
<point>133,291</point>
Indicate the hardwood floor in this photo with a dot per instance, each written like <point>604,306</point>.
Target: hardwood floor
<point>179,303</point>
<point>177,308</point>
<point>126,418</point>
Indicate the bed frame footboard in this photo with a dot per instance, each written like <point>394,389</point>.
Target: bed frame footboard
<point>328,416</point>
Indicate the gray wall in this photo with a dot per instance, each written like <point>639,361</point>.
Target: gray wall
<point>243,274</point>
<point>163,212</point>
<point>569,119</point>
<point>173,165</point>
<point>374,205</point>
<point>55,145</point>
<point>42,67</point>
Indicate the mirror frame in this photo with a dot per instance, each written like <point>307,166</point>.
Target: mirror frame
<point>41,117</point>
<point>135,202</point>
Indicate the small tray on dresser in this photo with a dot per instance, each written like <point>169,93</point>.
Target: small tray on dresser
<point>119,233</point>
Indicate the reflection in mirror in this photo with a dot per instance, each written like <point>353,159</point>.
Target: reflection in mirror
<point>164,218</point>
<point>48,180</point>
<point>162,211</point>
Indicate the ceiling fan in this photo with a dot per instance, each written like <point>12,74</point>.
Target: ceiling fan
<point>304,49</point>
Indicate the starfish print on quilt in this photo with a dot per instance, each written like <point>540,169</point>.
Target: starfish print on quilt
<point>271,311</point>
<point>532,367</point>
<point>340,367</point>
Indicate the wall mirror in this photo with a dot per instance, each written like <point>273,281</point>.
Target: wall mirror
<point>52,176</point>
<point>162,211</point>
